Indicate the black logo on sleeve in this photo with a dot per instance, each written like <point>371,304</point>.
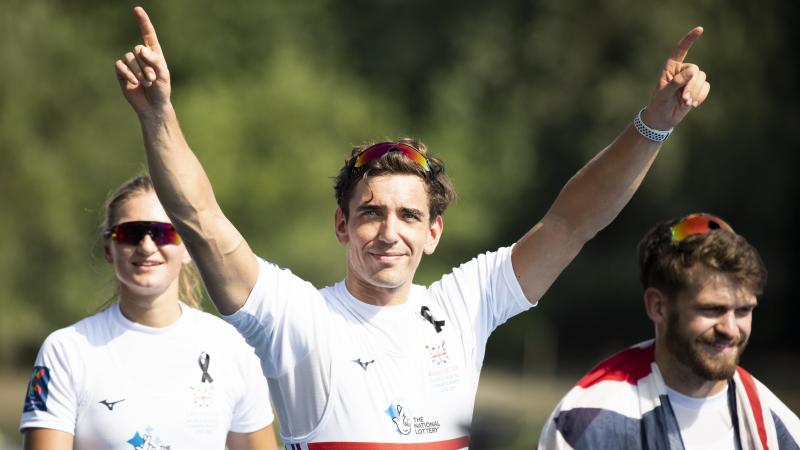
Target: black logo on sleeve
<point>110,405</point>
<point>363,364</point>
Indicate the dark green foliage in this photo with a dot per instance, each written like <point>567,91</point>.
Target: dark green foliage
<point>515,95</point>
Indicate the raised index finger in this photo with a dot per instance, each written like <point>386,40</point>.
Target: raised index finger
<point>148,31</point>
<point>680,50</point>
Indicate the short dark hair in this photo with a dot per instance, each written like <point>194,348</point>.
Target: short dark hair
<point>438,185</point>
<point>665,264</point>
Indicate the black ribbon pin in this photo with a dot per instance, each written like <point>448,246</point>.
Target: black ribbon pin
<point>426,314</point>
<point>204,360</point>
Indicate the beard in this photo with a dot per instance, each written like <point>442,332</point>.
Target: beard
<point>694,353</point>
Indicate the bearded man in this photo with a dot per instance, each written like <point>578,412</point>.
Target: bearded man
<point>684,389</point>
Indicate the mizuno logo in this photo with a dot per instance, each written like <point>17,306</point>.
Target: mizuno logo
<point>363,364</point>
<point>110,405</point>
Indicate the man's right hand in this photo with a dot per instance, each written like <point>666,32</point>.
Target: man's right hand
<point>142,73</point>
<point>681,87</point>
<point>227,264</point>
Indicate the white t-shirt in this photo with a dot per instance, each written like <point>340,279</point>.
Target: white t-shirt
<point>115,384</point>
<point>705,423</point>
<point>341,370</point>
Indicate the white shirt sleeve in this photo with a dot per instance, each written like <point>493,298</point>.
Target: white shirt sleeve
<point>284,320</point>
<point>485,289</point>
<point>278,319</point>
<point>51,400</point>
<point>252,410</point>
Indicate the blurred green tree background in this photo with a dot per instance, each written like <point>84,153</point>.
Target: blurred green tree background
<point>515,95</point>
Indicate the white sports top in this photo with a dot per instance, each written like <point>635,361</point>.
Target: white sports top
<point>344,371</point>
<point>115,384</point>
<point>705,423</point>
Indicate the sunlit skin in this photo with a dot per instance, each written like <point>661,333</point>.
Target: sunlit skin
<point>702,332</point>
<point>388,228</point>
<point>388,231</point>
<point>147,273</point>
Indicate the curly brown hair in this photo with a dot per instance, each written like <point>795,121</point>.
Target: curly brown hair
<point>665,263</point>
<point>438,185</point>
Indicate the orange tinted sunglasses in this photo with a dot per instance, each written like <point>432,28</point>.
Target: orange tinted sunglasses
<point>378,150</point>
<point>700,223</point>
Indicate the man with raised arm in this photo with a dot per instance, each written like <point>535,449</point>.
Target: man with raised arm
<point>376,361</point>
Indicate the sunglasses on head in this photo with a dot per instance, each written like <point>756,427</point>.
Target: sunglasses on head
<point>700,223</point>
<point>132,233</point>
<point>378,150</point>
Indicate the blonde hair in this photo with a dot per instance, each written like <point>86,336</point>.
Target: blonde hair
<point>189,288</point>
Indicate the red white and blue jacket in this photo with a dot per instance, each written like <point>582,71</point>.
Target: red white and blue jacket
<point>623,403</point>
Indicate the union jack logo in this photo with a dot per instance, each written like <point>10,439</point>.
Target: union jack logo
<point>438,353</point>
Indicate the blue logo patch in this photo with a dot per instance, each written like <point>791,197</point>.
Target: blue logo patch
<point>36,398</point>
<point>137,441</point>
<point>148,440</point>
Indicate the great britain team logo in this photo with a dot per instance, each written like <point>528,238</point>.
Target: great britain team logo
<point>38,390</point>
<point>438,353</point>
<point>202,395</point>
<point>444,373</point>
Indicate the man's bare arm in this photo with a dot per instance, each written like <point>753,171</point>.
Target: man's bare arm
<point>46,439</point>
<point>263,439</point>
<point>226,262</point>
<point>594,196</point>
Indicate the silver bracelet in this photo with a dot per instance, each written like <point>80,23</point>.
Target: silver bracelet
<point>649,133</point>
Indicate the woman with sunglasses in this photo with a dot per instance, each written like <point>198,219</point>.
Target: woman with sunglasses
<point>151,371</point>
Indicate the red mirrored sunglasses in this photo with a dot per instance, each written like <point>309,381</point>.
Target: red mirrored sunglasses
<point>132,233</point>
<point>700,223</point>
<point>378,150</point>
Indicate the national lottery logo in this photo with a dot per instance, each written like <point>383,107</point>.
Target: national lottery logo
<point>406,423</point>
<point>398,414</point>
<point>38,391</point>
<point>147,440</point>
